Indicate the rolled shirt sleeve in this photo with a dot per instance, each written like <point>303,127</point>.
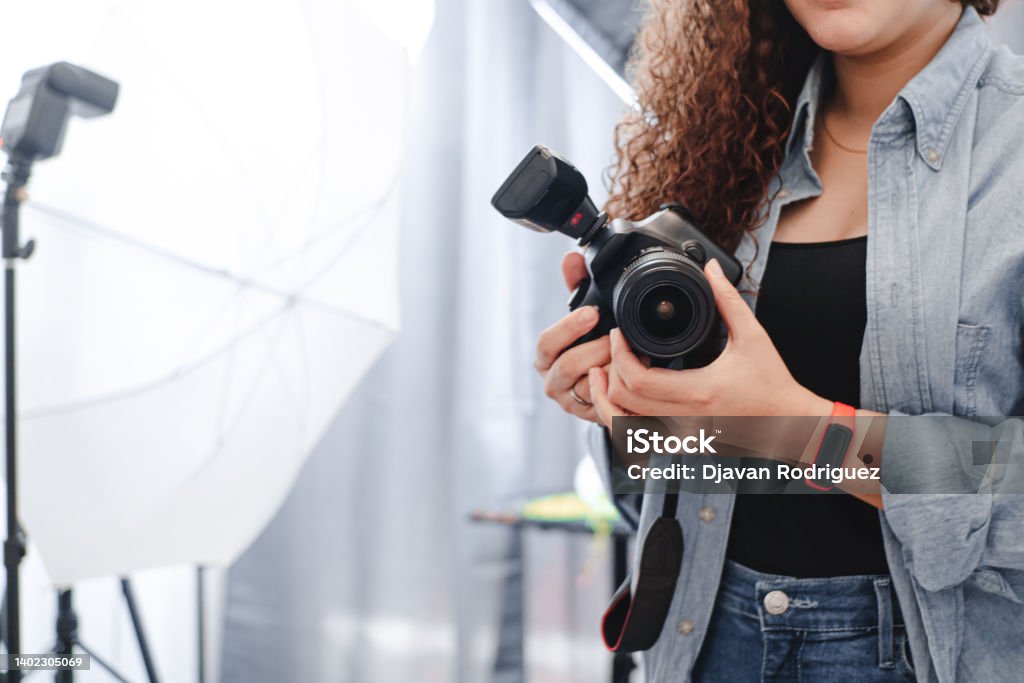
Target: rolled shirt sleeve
<point>953,495</point>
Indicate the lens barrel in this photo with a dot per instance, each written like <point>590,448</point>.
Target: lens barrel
<point>663,303</point>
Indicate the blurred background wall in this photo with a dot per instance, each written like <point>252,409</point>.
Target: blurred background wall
<point>372,572</point>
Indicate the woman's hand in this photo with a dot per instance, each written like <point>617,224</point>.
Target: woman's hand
<point>748,378</point>
<point>565,371</point>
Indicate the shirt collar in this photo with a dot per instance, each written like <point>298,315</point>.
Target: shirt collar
<point>935,96</point>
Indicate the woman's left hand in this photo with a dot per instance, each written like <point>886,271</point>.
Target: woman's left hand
<point>748,378</point>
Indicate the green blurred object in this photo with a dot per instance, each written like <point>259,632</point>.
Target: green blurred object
<point>569,507</point>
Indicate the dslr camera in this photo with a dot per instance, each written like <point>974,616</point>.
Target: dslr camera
<point>647,278</point>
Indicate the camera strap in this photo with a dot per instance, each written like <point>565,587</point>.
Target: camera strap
<point>634,619</point>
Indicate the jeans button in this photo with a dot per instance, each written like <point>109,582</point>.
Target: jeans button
<point>685,627</point>
<point>707,514</point>
<point>776,602</point>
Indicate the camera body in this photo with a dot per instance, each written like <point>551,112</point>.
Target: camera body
<point>646,277</point>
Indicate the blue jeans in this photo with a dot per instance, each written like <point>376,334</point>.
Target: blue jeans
<point>777,628</point>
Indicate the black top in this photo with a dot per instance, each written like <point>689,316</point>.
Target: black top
<point>813,306</point>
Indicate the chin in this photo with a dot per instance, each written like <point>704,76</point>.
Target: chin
<point>841,27</point>
<point>842,40</point>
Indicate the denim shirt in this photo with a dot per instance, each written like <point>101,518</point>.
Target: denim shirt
<point>945,265</point>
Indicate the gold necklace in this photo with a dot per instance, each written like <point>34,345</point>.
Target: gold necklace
<point>838,144</point>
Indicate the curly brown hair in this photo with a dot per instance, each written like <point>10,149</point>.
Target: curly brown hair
<point>716,82</point>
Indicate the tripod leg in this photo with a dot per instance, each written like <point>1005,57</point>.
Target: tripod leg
<point>3,620</point>
<point>3,630</point>
<point>133,611</point>
<point>200,625</point>
<point>67,633</point>
<point>102,662</point>
<point>3,616</point>
<point>67,639</point>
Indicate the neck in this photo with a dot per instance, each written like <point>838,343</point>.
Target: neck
<point>867,83</point>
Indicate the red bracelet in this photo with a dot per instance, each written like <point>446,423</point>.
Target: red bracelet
<point>843,414</point>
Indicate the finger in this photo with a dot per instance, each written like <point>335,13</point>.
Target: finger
<point>577,409</point>
<point>738,317</point>
<point>574,269</point>
<point>655,391</point>
<point>569,367</point>
<point>582,387</point>
<point>605,409</point>
<point>634,374</point>
<point>555,339</point>
<point>632,402</point>
<point>569,404</point>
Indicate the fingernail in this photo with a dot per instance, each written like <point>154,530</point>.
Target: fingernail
<point>588,314</point>
<point>715,268</point>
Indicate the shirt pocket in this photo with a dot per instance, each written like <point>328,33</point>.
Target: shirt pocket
<point>971,341</point>
<point>995,582</point>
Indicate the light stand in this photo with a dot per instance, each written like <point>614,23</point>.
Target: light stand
<point>33,129</point>
<point>16,174</point>
<point>67,636</point>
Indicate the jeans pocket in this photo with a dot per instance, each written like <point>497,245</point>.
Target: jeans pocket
<point>904,660</point>
<point>971,341</point>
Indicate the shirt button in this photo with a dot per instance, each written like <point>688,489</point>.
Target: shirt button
<point>776,602</point>
<point>685,627</point>
<point>783,194</point>
<point>707,514</point>
<point>932,155</point>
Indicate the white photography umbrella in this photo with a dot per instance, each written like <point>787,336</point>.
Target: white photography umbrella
<point>215,266</point>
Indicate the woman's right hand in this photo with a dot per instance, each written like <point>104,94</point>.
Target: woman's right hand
<point>565,371</point>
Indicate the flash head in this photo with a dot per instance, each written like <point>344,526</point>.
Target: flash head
<point>546,193</point>
<point>37,117</point>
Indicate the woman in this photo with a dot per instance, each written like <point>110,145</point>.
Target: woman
<point>863,159</point>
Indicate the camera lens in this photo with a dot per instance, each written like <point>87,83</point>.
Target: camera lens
<point>663,304</point>
<point>665,312</point>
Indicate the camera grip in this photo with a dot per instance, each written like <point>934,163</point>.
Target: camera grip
<point>586,294</point>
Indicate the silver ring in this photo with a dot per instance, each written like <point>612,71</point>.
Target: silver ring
<point>579,399</point>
